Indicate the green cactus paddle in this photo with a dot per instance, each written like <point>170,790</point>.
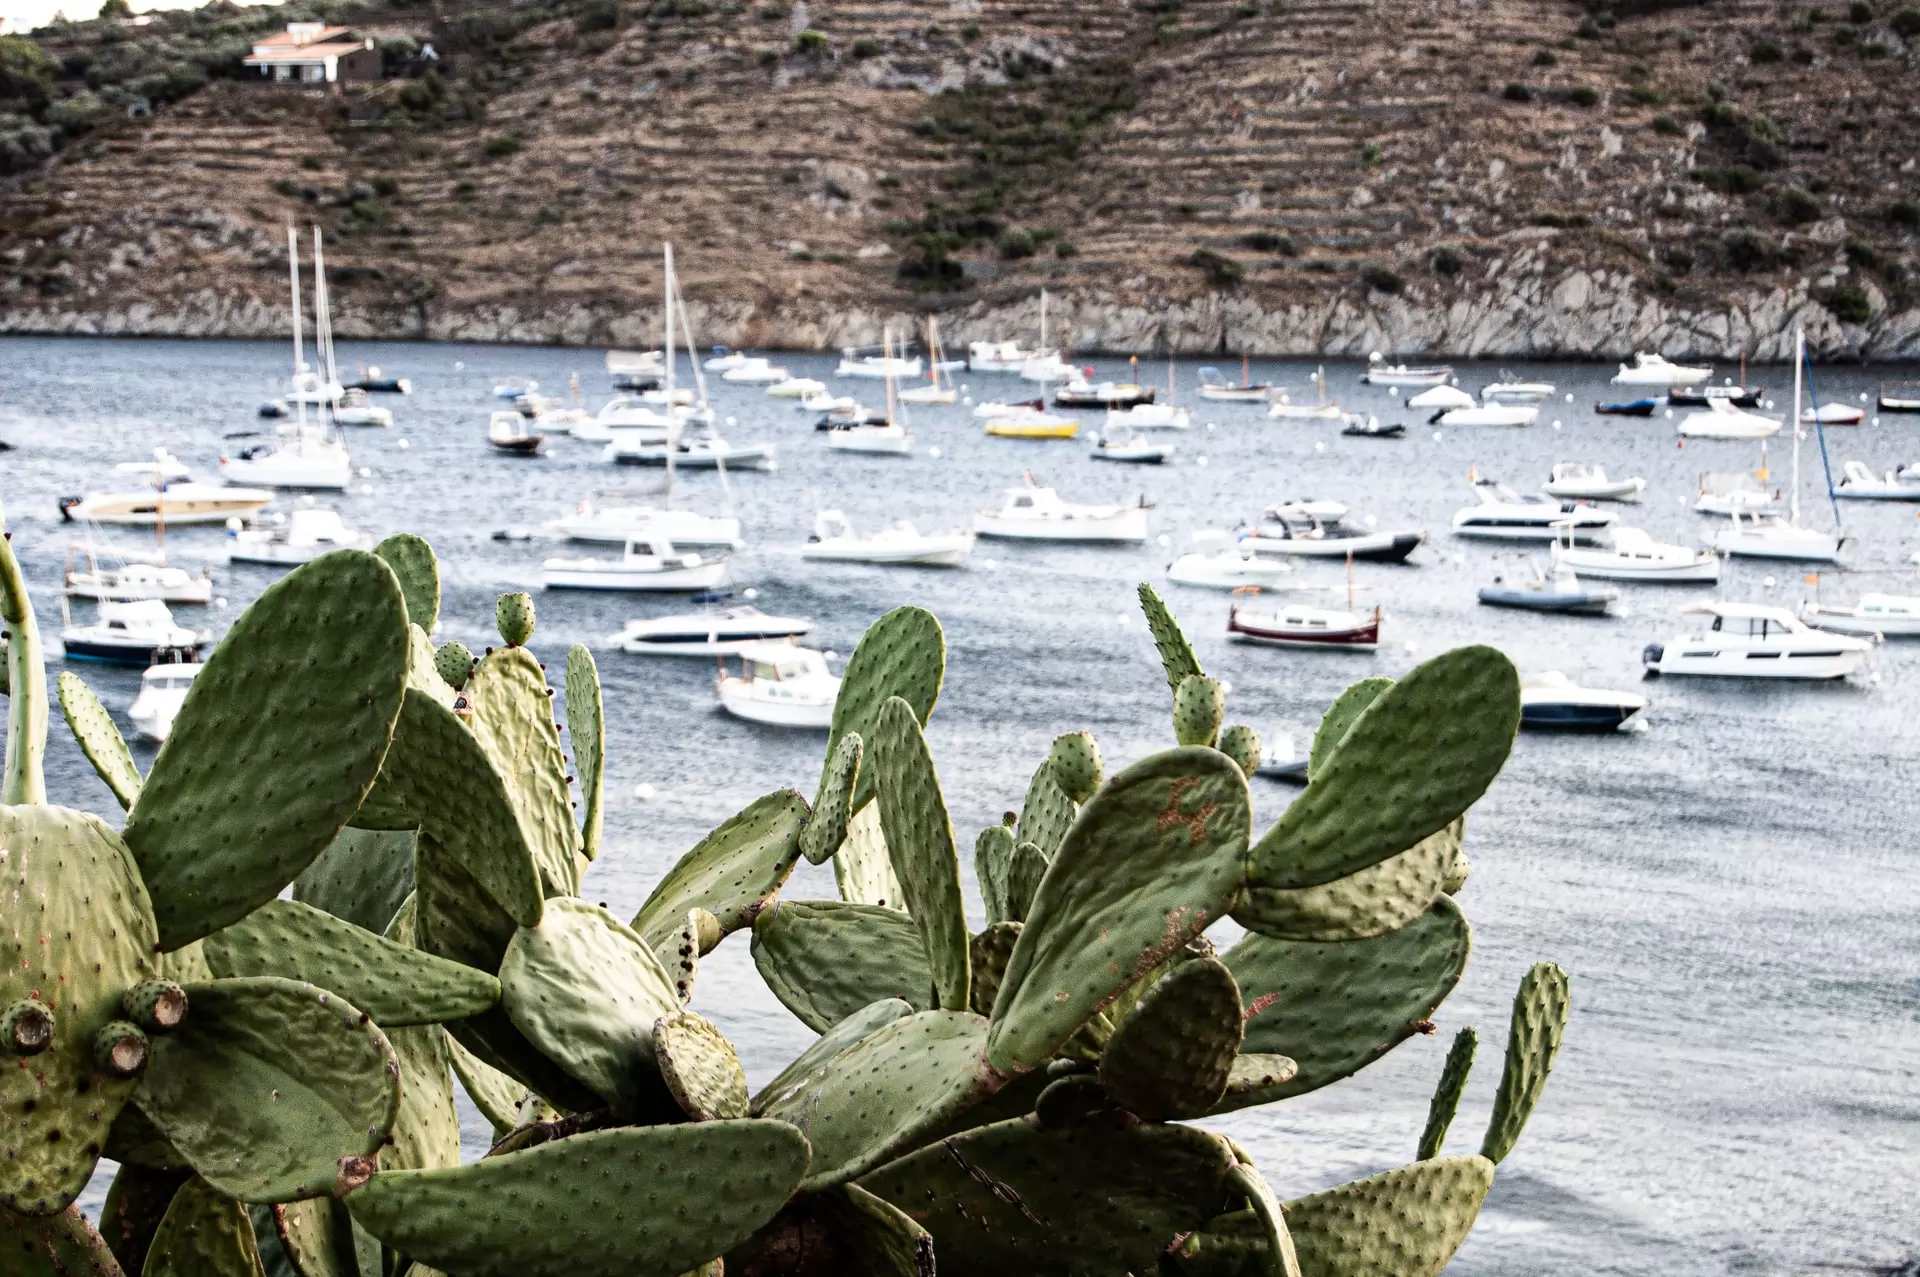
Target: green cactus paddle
<point>204,1234</point>
<point>418,572</point>
<point>1540,1008</point>
<point>1409,1221</point>
<point>587,725</point>
<point>99,739</point>
<point>920,844</point>
<point>1172,1057</point>
<point>1370,902</point>
<point>903,654</point>
<point>826,959</point>
<point>513,721</point>
<point>25,781</point>
<point>1446,1095</point>
<point>734,872</point>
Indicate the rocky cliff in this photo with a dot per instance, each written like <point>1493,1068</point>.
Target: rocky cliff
<point>1479,178</point>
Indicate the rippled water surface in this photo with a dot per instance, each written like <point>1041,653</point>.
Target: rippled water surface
<point>1733,890</point>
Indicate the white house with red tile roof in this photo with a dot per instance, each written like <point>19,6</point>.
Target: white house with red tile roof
<point>314,53</point>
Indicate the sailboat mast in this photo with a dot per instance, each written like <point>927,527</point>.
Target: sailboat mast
<point>886,361</point>
<point>1043,324</point>
<point>673,418</point>
<point>1799,357</point>
<point>299,341</point>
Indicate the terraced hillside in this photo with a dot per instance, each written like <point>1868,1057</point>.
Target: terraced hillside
<point>1494,177</point>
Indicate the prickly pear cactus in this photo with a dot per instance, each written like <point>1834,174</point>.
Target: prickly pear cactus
<point>587,725</point>
<point>913,817</point>
<point>1242,744</point>
<point>1171,1059</point>
<point>1199,704</point>
<point>99,739</point>
<point>903,654</point>
<point>1077,765</point>
<point>513,617</point>
<point>454,663</point>
<point>418,572</point>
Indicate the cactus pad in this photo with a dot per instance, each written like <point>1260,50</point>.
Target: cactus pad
<point>585,989</point>
<point>1199,707</point>
<point>1152,862</point>
<point>826,959</point>
<point>903,654</point>
<point>679,953</point>
<point>496,1095</point>
<point>1176,654</point>
<point>1446,1095</point>
<point>833,804</point>
<point>513,616</point>
<point>1047,813</point>
<point>99,739</point>
<point>835,1040</point>
<point>992,853</point>
<point>1090,1199</point>
<point>1408,1221</point>
<point>990,952</point>
<point>733,873</point>
<point>63,1244</point>
<point>78,934</point>
<point>310,678</point>
<point>513,720</point>
<point>418,572</point>
<point>320,1239</point>
<point>1417,757</point>
<point>1533,1039</point>
<point>587,725</point>
<point>617,1203</point>
<point>204,1234</point>
<point>861,869</point>
<point>1171,1058</point>
<point>453,663</point>
<point>879,1238</point>
<point>26,687</point>
<point>1077,765</point>
<point>423,668</point>
<point>881,1097</point>
<point>699,1067</point>
<point>1254,1075</point>
<point>396,984</point>
<point>363,876</point>
<point>913,818</point>
<point>1337,1008</point>
<point>136,1203</point>
<point>1024,872</point>
<point>1370,902</point>
<point>1339,717</point>
<point>1242,744</point>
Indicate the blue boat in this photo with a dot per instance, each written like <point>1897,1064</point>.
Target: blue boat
<point>1535,591</point>
<point>1632,408</point>
<point>1555,703</point>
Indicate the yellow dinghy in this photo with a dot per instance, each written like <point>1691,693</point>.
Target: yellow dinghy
<point>1036,426</point>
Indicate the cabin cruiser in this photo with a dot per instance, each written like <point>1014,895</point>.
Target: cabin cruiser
<point>1303,625</point>
<point>636,369</point>
<point>1636,556</point>
<point>781,685</point>
<point>1578,481</point>
<point>1505,515</point>
<point>1770,536</point>
<point>1490,414</point>
<point>853,363</point>
<point>716,633</point>
<point>1735,493</point>
<point>1862,484</point>
<point>629,418</point>
<point>296,457</point>
<point>1034,513</point>
<point>1652,370</point>
<point>353,408</point>
<point>619,524</point>
<point>1380,373</point>
<point>1721,420</point>
<point>1550,701</point>
<point>1079,393</point>
<point>1833,414</point>
<point>834,540</point>
<point>305,535</point>
<point>1888,615</point>
<point>645,563</point>
<point>1528,588</point>
<point>1219,562</point>
<point>1335,539</point>
<point>131,581</point>
<point>1754,640</point>
<point>1215,387</point>
<point>707,453</point>
<point>1513,390</point>
<point>997,356</point>
<point>796,388</point>
<point>755,372</point>
<point>177,503</point>
<point>135,633</point>
<point>886,438</point>
<point>163,690</point>
<point>1441,399</point>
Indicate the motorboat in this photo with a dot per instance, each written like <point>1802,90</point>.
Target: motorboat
<point>997,356</point>
<point>619,524</point>
<point>1492,414</point>
<point>847,412</point>
<point>1580,481</point>
<point>163,690</point>
<point>373,381</point>
<point>296,457</point>
<point>1550,701</point>
<point>130,581</point>
<point>1297,624</point>
<point>855,363</point>
<point>1321,409</point>
<point>1755,640</point>
<point>139,632</point>
<point>1862,484</point>
<point>1112,395</point>
<point>834,540</point>
<point>1505,515</point>
<point>1333,540</point>
<point>552,416</point>
<point>675,397</point>
<point>1219,562</point>
<point>512,388</point>
<point>1899,396</point>
<point>1025,423</point>
<point>796,388</point>
<point>781,685</point>
<point>636,369</point>
<point>1152,416</point>
<point>508,433</point>
<point>1887,615</point>
<point>1047,366</point>
<point>1558,590</point>
<point>1372,429</point>
<point>1628,408</point>
<point>995,408</point>
<point>931,393</point>
<point>1441,398</point>
<point>1636,556</point>
<point>1652,370</point>
<point>724,360</point>
<point>175,504</point>
<point>1513,390</point>
<point>1034,513</point>
<point>627,416</point>
<point>713,633</point>
<point>1381,373</point>
<point>1700,396</point>
<point>353,408</point>
<point>1118,443</point>
<point>1304,510</point>
<point>755,372</point>
<point>306,535</point>
<point>649,563</point>
<point>1735,493</point>
<point>824,401</point>
<point>706,453</point>
<point>1215,387</point>
<point>1833,414</point>
<point>1769,536</point>
<point>887,439</point>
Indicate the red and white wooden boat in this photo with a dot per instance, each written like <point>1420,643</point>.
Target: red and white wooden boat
<point>1303,625</point>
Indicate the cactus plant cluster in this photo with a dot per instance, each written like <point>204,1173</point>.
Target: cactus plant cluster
<point>274,1070</point>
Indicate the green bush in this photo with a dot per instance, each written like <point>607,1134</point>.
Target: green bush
<point>1221,272</point>
<point>26,70</point>
<point>1517,93</point>
<point>1734,179</point>
<point>1016,244</point>
<point>384,186</point>
<point>1865,256</point>
<point>1370,154</point>
<point>1686,39</point>
<point>1584,95</point>
<point>597,15</point>
<point>1849,304</point>
<point>1447,260</point>
<point>865,47</point>
<point>1905,23</point>
<point>1667,126</point>
<point>1843,37</point>
<point>1747,249</point>
<point>365,210</point>
<point>501,146</point>
<point>810,41</point>
<point>1904,213</point>
<point>1859,12</point>
<point>1678,259</point>
<point>1645,96</point>
<point>1797,206</point>
<point>1545,58</point>
<point>1380,279</point>
<point>1765,53</point>
<point>1063,249</point>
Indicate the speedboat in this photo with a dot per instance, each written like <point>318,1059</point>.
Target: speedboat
<point>1735,493</point>
<point>1033,513</point>
<point>1887,615</point>
<point>1505,515</point>
<point>621,523</point>
<point>1118,443</point>
<point>1303,625</point>
<point>1557,591</point>
<point>716,633</point>
<point>1372,429</point>
<point>1301,511</point>
<point>554,417</point>
<point>297,457</point>
<point>1769,536</point>
<point>1551,701</point>
<point>997,356</point>
<point>1578,481</point>
<point>1628,408</point>
<point>1079,393</point>
<point>1833,414</point>
<point>353,408</point>
<point>132,581</point>
<point>877,367</point>
<point>135,633</point>
<point>1652,370</point>
<point>1152,416</point>
<point>1721,420</point>
<point>781,685</point>
<point>644,564</point>
<point>834,540</point>
<point>1636,556</point>
<point>163,690</point>
<point>1220,563</point>
<point>691,454</point>
<point>1215,387</point>
<point>1491,414</point>
<point>1380,373</point>
<point>888,439</point>
<point>306,535</point>
<point>1701,396</point>
<point>1513,390</point>
<point>755,372</point>
<point>1332,540</point>
<point>796,388</point>
<point>1441,398</point>
<point>1862,484</point>
<point>628,417</point>
<point>508,433</point>
<point>1755,640</point>
<point>176,504</point>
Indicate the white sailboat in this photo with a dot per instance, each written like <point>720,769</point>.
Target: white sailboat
<point>834,540</point>
<point>1768,536</point>
<point>883,439</point>
<point>1322,409</point>
<point>347,406</point>
<point>939,388</point>
<point>301,455</point>
<point>1044,364</point>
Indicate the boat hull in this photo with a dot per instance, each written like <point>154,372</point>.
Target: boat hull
<point>1577,716</point>
<point>1589,603</point>
<point>1637,408</point>
<point>740,701</point>
<point>941,554</point>
<point>196,590</point>
<point>1744,548</point>
<point>1234,394</point>
<point>1128,525</point>
<point>875,445</point>
<point>145,511</point>
<point>686,533</point>
<point>1383,547</point>
<point>1525,532</point>
<point>1406,376</point>
<point>1361,638</point>
<point>1878,492</point>
<point>749,458</point>
<point>1697,662</point>
<point>1838,621</point>
<point>1607,568</point>
<point>1623,490</point>
<point>140,654</point>
<point>613,576</point>
<point>1015,430</point>
<point>323,476</point>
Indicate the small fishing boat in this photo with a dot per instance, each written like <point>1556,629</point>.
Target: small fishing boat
<point>1899,396</point>
<point>1579,481</point>
<point>1152,416</point>
<point>1380,373</point>
<point>1215,387</point>
<point>997,356</point>
<point>825,402</point>
<point>1502,514</point>
<point>1700,396</point>
<point>1079,393</point>
<point>1833,414</point>
<point>888,439</point>
<point>846,413</point>
<point>1513,390</point>
<point>508,433</point>
<point>1281,760</point>
<point>1862,484</point>
<point>373,381</point>
<point>163,690</point>
<point>644,564</point>
<point>1636,556</point>
<point>304,536</point>
<point>619,524</point>
<point>780,685</point>
<point>1755,640</point>
<point>796,388</point>
<point>139,632</point>
<point>1721,420</point>
<point>995,408</point>
<point>713,633</point>
<point>1652,370</point>
<point>1440,398</point>
<point>629,418</point>
<point>1630,408</point>
<point>755,372</point>
<point>1118,443</point>
<point>1035,513</point>
<point>1551,701</point>
<point>1219,562</point>
<point>1322,409</point>
<point>1047,366</point>
<point>1492,414</point>
<point>1303,625</point>
<point>1372,429</point>
<point>900,543</point>
<point>1526,586</point>
<point>724,359</point>
<point>1885,615</point>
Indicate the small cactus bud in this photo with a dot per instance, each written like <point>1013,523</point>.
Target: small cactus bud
<point>1242,744</point>
<point>1199,703</point>
<point>158,1006</point>
<point>513,614</point>
<point>1077,765</point>
<point>26,1027</point>
<point>120,1049</point>
<point>454,663</point>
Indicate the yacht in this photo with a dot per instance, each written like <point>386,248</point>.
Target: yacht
<point>796,388</point>
<point>1303,625</point>
<point>1652,370</point>
<point>755,372</point>
<point>1736,493</point>
<point>1578,481</point>
<point>1833,414</point>
<point>1513,390</point>
<point>619,524</point>
<point>650,564</point>
<point>353,408</point>
<point>1152,416</point>
<point>1529,589</point>
<point>1505,515</point>
<point>997,356</point>
<point>1380,373</point>
<point>1490,414</point>
<point>1636,556</point>
<point>131,581</point>
<point>306,535</point>
<point>855,363</point>
<point>1033,513</point>
<point>1770,536</point>
<point>1551,701</point>
<point>1888,615</point>
<point>1218,562</point>
<point>163,690</point>
<point>136,633</point>
<point>714,633</point>
<point>1441,399</point>
<point>704,453</point>
<point>834,540</point>
<point>1338,539</point>
<point>1862,484</point>
<point>1721,420</point>
<point>885,439</point>
<point>296,457</point>
<point>1754,640</point>
<point>1115,395</point>
<point>781,685</point>
<point>176,503</point>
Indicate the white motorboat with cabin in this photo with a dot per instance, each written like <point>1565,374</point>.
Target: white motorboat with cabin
<point>997,356</point>
<point>1219,562</point>
<point>139,632</point>
<point>1770,536</point>
<point>1152,416</point>
<point>163,690</point>
<point>1512,390</point>
<point>1318,538</point>
<point>1886,615</point>
<point>635,369</point>
<point>1047,367</point>
<point>1381,373</point>
<point>824,401</point>
<point>1034,513</point>
<point>649,564</point>
<point>1441,399</point>
<point>755,372</point>
<point>1491,414</point>
<point>305,535</point>
<point>1833,414</point>
<point>724,360</point>
<point>900,543</point>
<point>781,685</point>
<point>1502,514</point>
<point>1636,556</point>
<point>619,524</point>
<point>129,581</point>
<point>1118,443</point>
<point>1755,640</point>
<point>1652,370</point>
<point>1737,493</point>
<point>720,632</point>
<point>1861,484</point>
<point>855,362</point>
<point>796,388</point>
<point>1580,481</point>
<point>1721,420</point>
<point>1550,701</point>
<point>707,452</point>
<point>354,409</point>
<point>628,417</point>
<point>176,503</point>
